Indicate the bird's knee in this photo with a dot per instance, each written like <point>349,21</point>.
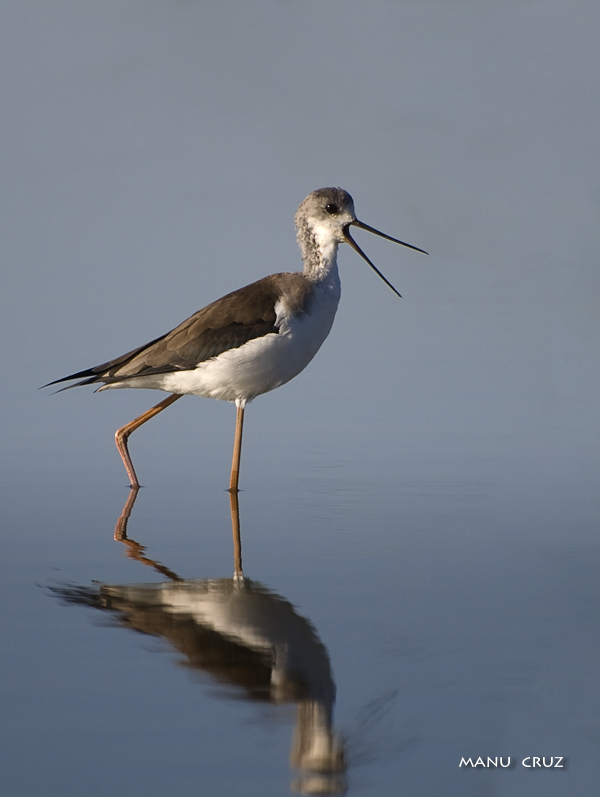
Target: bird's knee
<point>121,437</point>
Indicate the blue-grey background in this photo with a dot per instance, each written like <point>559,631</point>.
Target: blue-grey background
<point>426,493</point>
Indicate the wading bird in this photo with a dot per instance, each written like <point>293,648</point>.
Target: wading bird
<point>249,341</point>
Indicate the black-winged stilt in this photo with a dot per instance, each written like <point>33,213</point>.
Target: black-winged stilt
<point>252,340</point>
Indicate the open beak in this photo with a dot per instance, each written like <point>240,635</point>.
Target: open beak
<point>349,239</point>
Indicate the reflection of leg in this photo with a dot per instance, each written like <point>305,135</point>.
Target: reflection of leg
<point>122,434</point>
<point>237,448</point>
<point>238,575</point>
<point>134,549</point>
<point>121,527</point>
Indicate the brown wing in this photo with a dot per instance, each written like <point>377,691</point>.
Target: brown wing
<point>228,323</point>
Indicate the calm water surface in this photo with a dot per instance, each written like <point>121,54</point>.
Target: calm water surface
<point>390,622</point>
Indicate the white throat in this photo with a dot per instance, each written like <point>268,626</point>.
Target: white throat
<point>324,263</point>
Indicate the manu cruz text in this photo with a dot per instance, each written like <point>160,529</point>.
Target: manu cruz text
<point>533,762</point>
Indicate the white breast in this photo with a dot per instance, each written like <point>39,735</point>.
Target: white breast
<point>263,363</point>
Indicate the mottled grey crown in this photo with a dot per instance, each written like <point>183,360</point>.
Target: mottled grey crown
<point>321,204</point>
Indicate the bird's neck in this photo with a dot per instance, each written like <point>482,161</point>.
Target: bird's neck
<point>319,253</point>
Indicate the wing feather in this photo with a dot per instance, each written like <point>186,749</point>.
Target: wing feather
<point>228,323</point>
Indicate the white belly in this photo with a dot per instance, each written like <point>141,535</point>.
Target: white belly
<point>260,365</point>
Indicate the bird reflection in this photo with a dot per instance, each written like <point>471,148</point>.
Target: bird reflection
<point>243,635</point>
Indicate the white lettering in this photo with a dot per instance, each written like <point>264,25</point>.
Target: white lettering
<point>548,762</point>
<point>529,761</point>
<point>480,762</point>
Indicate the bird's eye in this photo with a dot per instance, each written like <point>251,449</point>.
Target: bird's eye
<point>332,209</point>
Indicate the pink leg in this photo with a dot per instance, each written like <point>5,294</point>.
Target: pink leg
<point>122,434</point>
<point>238,574</point>
<point>237,450</point>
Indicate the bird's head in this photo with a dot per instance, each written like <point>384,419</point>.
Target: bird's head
<point>324,220</point>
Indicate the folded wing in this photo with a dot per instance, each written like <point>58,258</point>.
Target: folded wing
<point>228,323</point>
